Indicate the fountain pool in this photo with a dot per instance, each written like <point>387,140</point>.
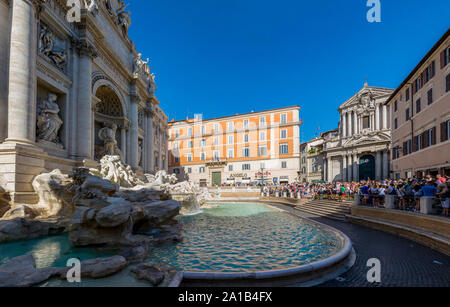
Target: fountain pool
<point>225,241</point>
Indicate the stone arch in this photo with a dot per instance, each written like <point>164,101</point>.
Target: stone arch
<point>109,103</point>
<point>100,81</point>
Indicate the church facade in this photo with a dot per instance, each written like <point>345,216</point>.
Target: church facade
<point>71,92</point>
<point>359,150</point>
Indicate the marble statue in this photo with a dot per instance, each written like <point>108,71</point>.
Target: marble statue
<point>138,65</point>
<point>123,17</point>
<point>151,85</point>
<point>112,168</point>
<point>48,120</point>
<point>47,47</point>
<point>109,7</point>
<point>108,136</point>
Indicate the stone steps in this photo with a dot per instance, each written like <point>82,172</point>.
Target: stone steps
<point>326,208</point>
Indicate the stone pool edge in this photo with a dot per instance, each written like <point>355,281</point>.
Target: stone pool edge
<point>305,275</point>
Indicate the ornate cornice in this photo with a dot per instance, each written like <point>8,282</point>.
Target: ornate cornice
<point>84,48</point>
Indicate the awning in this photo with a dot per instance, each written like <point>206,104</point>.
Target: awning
<point>246,180</point>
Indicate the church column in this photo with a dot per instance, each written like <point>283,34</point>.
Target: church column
<point>377,117</point>
<point>355,168</point>
<point>385,164</point>
<point>350,168</point>
<point>344,168</point>
<point>22,72</point>
<point>134,142</point>
<point>330,170</point>
<point>355,123</point>
<point>344,126</point>
<point>378,166</point>
<point>85,123</point>
<point>385,117</point>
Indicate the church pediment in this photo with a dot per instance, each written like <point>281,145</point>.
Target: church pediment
<point>367,138</point>
<point>365,98</point>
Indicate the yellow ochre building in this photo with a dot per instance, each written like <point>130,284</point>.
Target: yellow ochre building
<point>241,149</point>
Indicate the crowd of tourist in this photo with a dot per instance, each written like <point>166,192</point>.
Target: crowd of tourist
<point>407,192</point>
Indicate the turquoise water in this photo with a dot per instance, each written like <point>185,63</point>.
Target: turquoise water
<point>242,237</point>
<point>231,237</point>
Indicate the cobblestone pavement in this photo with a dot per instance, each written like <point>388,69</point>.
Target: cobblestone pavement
<point>404,263</point>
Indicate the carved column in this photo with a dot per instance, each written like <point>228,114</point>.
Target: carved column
<point>85,119</point>
<point>133,114</point>
<point>377,117</point>
<point>330,170</point>
<point>22,71</point>
<point>355,123</point>
<point>350,168</point>
<point>344,125</point>
<point>149,138</point>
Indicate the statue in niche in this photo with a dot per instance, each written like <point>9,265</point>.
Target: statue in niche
<point>123,17</point>
<point>91,6</point>
<point>139,65</point>
<point>48,120</point>
<point>108,136</point>
<point>47,47</point>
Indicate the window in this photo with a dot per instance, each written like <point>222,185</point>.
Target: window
<point>230,126</point>
<point>230,153</point>
<point>190,132</point>
<point>445,57</point>
<point>190,144</point>
<point>245,167</point>
<point>366,122</point>
<point>284,134</point>
<point>262,136</point>
<point>177,159</point>
<point>304,160</point>
<point>246,152</point>
<point>407,114</point>
<point>283,164</point>
<point>407,94</point>
<point>445,131</point>
<point>177,133</point>
<point>216,155</point>
<point>418,106</point>
<point>417,144</point>
<point>231,139</point>
<point>429,72</point>
<point>315,168</point>
<point>284,149</point>
<point>216,128</point>
<point>304,170</point>
<point>395,106</point>
<point>262,121</point>
<point>176,146</point>
<point>230,167</point>
<point>202,170</point>
<point>430,96</point>
<point>407,147</point>
<point>447,83</point>
<point>189,170</point>
<point>395,123</point>
<point>203,130</point>
<point>203,143</point>
<point>245,123</point>
<point>283,119</point>
<point>395,153</point>
<point>245,138</point>
<point>262,151</point>
<point>176,171</point>
<point>189,157</point>
<point>216,141</point>
<point>202,156</point>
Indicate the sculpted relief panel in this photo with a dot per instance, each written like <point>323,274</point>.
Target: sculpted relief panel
<point>52,48</point>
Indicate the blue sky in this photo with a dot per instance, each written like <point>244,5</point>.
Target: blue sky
<point>221,57</point>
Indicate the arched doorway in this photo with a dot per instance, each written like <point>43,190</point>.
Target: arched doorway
<point>108,111</point>
<point>367,167</point>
